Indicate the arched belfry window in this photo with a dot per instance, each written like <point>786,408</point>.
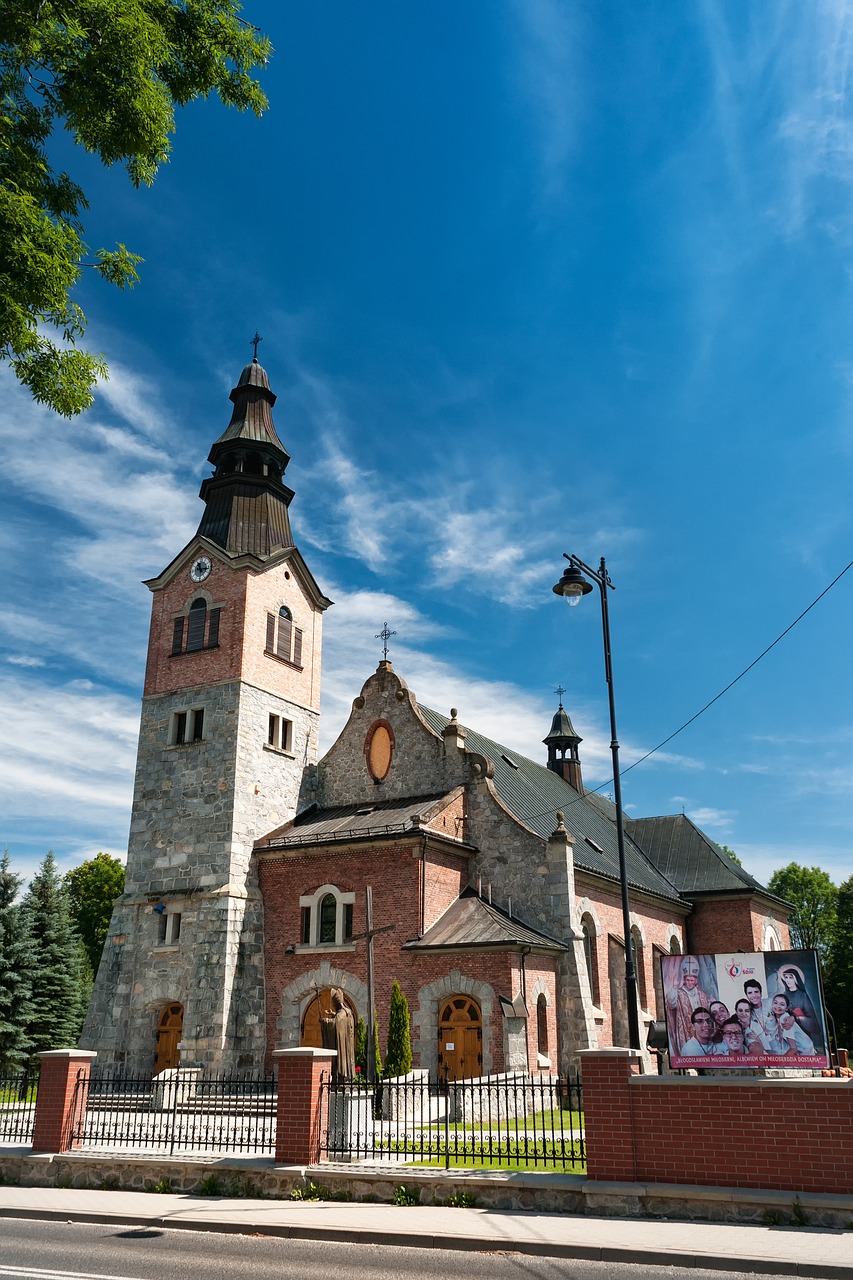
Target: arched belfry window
<point>196,625</point>
<point>196,629</point>
<point>284,640</point>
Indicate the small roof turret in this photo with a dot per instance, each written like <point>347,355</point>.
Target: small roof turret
<point>562,731</point>
<point>562,743</point>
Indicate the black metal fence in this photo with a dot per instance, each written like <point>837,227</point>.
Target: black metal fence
<point>506,1121</point>
<point>179,1111</point>
<point>18,1107</point>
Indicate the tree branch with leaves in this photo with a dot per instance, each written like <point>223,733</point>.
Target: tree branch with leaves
<point>111,73</point>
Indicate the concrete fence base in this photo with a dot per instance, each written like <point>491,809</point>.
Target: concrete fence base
<point>491,1189</point>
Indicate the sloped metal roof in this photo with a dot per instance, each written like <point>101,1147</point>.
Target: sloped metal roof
<point>245,517</point>
<point>472,922</point>
<point>690,859</point>
<point>355,821</point>
<point>535,794</point>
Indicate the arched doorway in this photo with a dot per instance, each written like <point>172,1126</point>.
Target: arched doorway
<point>170,1026</point>
<point>321,1007</point>
<point>460,1038</point>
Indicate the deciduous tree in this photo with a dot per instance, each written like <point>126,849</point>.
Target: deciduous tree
<point>814,898</point>
<point>111,73</point>
<point>839,969</point>
<point>92,889</point>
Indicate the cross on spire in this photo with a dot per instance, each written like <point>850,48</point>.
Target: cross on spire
<point>384,635</point>
<point>559,692</point>
<point>253,342</point>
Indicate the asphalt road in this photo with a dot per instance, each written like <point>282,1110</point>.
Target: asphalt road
<point>76,1251</point>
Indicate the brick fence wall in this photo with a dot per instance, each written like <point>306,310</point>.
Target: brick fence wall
<point>785,1135</point>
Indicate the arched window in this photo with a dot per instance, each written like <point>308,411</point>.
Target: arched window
<point>284,640</point>
<point>590,951</point>
<point>199,626</point>
<point>542,1026</point>
<point>674,946</point>
<point>638,952</point>
<point>326,917</point>
<point>196,626</point>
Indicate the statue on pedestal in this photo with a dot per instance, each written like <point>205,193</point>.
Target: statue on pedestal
<point>339,1033</point>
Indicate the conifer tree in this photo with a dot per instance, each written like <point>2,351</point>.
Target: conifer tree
<point>56,1015</point>
<point>16,962</point>
<point>398,1058</point>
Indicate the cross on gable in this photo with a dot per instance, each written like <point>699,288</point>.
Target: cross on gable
<point>384,635</point>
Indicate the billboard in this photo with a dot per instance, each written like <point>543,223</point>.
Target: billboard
<point>759,1009</point>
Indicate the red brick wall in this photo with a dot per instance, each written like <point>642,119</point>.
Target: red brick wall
<point>394,871</point>
<point>445,876</point>
<point>732,924</point>
<point>784,1135</point>
<point>61,1071</point>
<point>245,598</point>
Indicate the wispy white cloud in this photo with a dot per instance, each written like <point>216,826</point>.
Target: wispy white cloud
<point>23,660</point>
<point>550,73</point>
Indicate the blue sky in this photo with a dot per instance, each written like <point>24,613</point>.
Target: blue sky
<point>533,276</point>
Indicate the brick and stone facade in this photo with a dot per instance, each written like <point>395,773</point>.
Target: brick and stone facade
<point>494,879</point>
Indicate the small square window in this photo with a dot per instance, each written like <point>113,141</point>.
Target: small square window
<point>186,726</point>
<point>280,733</point>
<point>169,928</point>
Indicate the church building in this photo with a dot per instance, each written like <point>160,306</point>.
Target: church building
<point>493,880</point>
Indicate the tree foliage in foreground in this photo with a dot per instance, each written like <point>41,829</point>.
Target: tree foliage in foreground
<point>92,888</point>
<point>814,898</point>
<point>111,73</point>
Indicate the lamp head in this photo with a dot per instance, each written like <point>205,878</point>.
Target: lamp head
<point>572,586</point>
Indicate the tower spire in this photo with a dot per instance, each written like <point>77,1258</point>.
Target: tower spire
<point>246,501</point>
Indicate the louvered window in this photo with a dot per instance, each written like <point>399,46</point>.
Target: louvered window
<point>284,640</point>
<point>195,630</point>
<point>199,629</point>
<point>285,634</point>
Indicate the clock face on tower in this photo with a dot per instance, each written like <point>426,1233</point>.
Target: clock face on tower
<point>201,568</point>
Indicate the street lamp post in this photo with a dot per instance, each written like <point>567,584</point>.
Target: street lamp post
<point>573,586</point>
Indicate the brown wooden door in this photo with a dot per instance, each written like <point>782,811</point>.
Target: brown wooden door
<point>169,1031</point>
<point>460,1039</point>
<point>312,1027</point>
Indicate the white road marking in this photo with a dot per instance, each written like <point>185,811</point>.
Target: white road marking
<point>43,1273</point>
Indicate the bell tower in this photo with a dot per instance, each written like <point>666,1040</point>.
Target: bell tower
<point>228,735</point>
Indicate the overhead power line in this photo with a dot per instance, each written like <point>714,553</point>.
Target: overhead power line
<point>732,683</point>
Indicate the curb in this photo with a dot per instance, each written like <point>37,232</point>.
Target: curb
<point>409,1239</point>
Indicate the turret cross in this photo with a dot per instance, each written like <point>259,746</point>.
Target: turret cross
<point>384,635</point>
<point>254,342</point>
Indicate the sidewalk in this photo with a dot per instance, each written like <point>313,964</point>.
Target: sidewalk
<point>823,1253</point>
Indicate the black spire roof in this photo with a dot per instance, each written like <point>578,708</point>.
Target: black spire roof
<point>246,503</point>
<point>562,731</point>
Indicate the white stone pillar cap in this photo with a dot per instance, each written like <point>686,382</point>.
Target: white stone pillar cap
<point>68,1053</point>
<point>306,1052</point>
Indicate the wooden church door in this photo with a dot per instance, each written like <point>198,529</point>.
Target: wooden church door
<point>169,1030</point>
<point>460,1039</point>
<point>321,1006</point>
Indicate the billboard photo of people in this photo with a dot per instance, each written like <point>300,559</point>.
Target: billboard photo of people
<point>759,1009</point>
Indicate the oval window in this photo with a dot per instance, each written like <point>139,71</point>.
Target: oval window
<point>380,748</point>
